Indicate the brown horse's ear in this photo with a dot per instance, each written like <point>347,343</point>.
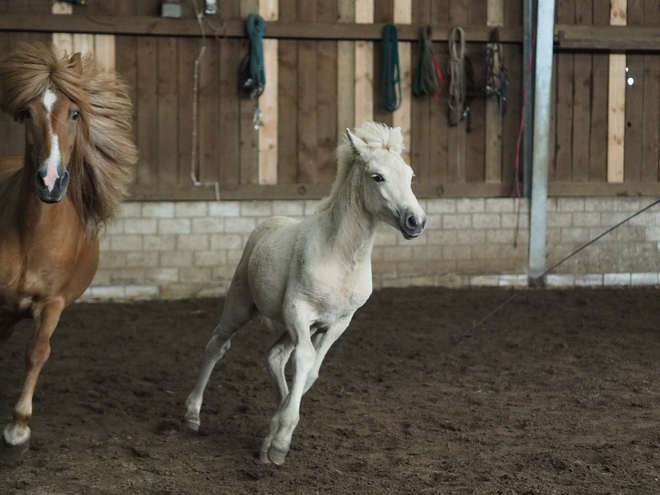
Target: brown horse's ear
<point>75,62</point>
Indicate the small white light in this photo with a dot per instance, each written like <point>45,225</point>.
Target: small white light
<point>631,81</point>
<point>627,69</point>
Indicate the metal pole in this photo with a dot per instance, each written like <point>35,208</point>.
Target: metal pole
<point>537,229</point>
<point>528,85</point>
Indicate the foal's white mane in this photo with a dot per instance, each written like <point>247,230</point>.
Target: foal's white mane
<point>376,136</point>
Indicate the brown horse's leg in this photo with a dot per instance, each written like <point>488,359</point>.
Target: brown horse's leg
<point>16,436</point>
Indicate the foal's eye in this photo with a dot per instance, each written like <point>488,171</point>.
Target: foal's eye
<point>24,115</point>
<point>75,115</point>
<point>378,178</point>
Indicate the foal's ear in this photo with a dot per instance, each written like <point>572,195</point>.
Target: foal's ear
<point>75,62</point>
<point>358,145</point>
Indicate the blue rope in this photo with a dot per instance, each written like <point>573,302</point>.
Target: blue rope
<point>391,83</point>
<point>253,64</point>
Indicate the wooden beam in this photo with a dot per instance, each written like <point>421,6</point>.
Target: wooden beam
<point>603,189</point>
<point>364,66</point>
<point>157,26</point>
<point>402,116</point>
<point>63,41</point>
<point>101,45</point>
<point>345,72</point>
<point>616,121</point>
<point>104,50</point>
<point>181,192</point>
<point>249,136</point>
<point>606,38</point>
<point>269,10</point>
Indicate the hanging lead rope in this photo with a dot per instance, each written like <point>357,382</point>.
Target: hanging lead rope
<point>428,79</point>
<point>253,72</point>
<point>457,100</point>
<point>252,66</point>
<point>391,84</point>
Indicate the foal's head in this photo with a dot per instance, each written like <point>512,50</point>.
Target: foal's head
<point>51,124</point>
<point>386,178</point>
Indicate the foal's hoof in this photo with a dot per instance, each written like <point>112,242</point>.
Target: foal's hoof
<point>263,457</point>
<point>13,452</point>
<point>191,424</point>
<point>276,456</point>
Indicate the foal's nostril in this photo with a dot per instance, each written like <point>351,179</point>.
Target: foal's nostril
<point>423,223</point>
<point>411,222</point>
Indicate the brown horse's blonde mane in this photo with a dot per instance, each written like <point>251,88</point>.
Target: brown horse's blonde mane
<point>104,152</point>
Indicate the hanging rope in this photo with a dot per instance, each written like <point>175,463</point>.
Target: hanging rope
<point>253,73</point>
<point>457,100</point>
<point>391,83</point>
<point>497,81</point>
<point>428,78</point>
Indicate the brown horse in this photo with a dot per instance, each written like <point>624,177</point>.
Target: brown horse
<point>54,201</point>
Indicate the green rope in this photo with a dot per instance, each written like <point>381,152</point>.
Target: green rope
<point>252,66</point>
<point>426,81</point>
<point>391,83</point>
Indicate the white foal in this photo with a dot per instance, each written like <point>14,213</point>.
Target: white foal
<point>310,276</point>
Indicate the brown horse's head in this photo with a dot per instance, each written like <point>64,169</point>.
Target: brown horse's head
<point>51,124</point>
<point>78,127</point>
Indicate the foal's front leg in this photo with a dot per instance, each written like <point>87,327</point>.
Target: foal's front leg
<point>322,344</point>
<point>16,436</point>
<point>277,443</point>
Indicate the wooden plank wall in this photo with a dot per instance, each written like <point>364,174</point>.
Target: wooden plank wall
<point>581,103</point>
<point>320,87</point>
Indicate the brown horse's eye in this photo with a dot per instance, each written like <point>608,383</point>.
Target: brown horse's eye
<point>23,115</point>
<point>75,115</point>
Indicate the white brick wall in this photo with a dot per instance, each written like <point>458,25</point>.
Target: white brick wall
<point>182,249</point>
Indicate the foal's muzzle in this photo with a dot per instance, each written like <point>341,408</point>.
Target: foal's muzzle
<point>411,225</point>
<point>59,186</point>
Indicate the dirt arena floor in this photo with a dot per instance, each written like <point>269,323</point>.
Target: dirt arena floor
<point>556,394</point>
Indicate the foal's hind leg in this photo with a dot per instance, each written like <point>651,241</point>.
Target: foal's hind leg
<point>239,309</point>
<point>15,438</point>
<point>278,355</point>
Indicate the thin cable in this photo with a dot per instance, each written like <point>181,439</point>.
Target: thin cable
<point>194,169</point>
<point>523,111</point>
<point>471,332</point>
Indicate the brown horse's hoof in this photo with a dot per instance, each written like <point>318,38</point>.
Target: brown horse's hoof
<point>13,452</point>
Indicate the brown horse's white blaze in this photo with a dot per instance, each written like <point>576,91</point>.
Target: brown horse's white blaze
<point>53,202</point>
<point>53,160</point>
